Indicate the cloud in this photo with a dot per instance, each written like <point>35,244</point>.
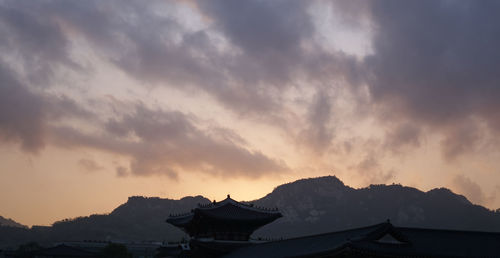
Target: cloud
<point>243,60</point>
<point>270,42</point>
<point>89,165</point>
<point>154,48</point>
<point>164,142</point>
<point>471,189</point>
<point>121,171</point>
<point>319,133</point>
<point>435,63</point>
<point>158,48</point>
<point>21,113</point>
<point>402,136</point>
<point>371,170</point>
<point>25,114</point>
<point>157,143</point>
<point>460,139</point>
<point>432,68</point>
<point>33,41</point>
<point>369,167</point>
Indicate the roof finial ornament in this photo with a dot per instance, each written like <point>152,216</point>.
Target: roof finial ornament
<point>228,196</point>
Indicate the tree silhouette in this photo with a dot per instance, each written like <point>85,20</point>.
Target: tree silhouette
<point>113,250</point>
<point>26,250</point>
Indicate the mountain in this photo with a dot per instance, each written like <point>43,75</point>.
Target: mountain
<point>140,218</point>
<point>309,206</point>
<point>317,205</point>
<point>10,223</point>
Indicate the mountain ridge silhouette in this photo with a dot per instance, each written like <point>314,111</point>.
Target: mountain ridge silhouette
<point>10,223</point>
<point>309,206</point>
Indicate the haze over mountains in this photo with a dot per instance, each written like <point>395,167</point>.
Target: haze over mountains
<point>309,206</point>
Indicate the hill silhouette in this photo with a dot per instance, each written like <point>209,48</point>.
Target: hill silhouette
<point>324,204</point>
<point>309,206</point>
<point>10,223</point>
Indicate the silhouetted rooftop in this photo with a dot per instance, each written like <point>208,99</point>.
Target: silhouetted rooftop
<point>224,220</point>
<point>228,209</point>
<point>382,240</point>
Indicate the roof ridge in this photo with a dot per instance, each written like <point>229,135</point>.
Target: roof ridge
<point>451,230</point>
<point>386,228</point>
<point>229,200</point>
<point>327,233</point>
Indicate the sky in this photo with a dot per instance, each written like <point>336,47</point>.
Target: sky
<point>102,100</point>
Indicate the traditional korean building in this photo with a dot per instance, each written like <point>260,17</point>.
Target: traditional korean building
<point>220,227</point>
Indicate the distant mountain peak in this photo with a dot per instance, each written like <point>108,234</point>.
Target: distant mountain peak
<point>447,193</point>
<point>323,181</point>
<point>10,223</point>
<point>195,198</point>
<point>134,204</point>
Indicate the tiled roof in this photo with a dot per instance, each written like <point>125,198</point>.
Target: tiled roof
<point>232,210</point>
<point>229,210</point>
<point>410,242</point>
<point>246,206</point>
<point>180,220</point>
<point>303,245</point>
<point>444,243</point>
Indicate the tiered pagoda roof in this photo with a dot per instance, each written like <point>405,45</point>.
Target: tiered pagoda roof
<point>230,209</point>
<point>234,219</point>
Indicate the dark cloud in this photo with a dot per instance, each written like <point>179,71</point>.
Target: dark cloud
<point>33,48</point>
<point>436,63</point>
<point>32,40</point>
<point>21,113</point>
<point>25,114</point>
<point>262,27</point>
<point>269,34</point>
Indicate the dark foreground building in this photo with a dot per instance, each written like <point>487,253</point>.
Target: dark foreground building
<point>223,229</point>
<point>381,240</point>
<point>64,251</point>
<point>59,251</point>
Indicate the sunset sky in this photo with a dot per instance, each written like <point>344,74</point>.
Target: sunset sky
<point>102,100</point>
